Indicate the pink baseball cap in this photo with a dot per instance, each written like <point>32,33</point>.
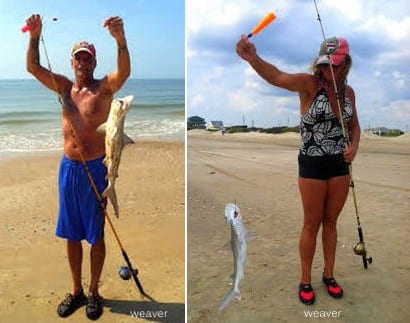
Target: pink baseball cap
<point>333,50</point>
<point>83,47</point>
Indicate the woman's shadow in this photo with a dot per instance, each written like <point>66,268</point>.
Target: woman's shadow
<point>150,311</point>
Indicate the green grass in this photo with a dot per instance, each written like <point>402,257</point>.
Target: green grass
<point>393,133</point>
<point>273,130</point>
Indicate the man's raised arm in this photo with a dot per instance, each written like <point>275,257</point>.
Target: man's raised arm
<point>117,78</point>
<point>53,81</point>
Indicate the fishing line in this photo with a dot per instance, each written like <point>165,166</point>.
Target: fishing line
<point>134,271</point>
<point>359,248</point>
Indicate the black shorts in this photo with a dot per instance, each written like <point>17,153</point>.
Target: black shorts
<point>322,167</point>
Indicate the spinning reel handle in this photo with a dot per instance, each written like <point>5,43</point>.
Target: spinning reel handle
<point>366,261</point>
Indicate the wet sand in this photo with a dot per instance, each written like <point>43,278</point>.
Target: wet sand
<point>34,274</point>
<point>259,173</point>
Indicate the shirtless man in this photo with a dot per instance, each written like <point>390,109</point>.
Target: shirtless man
<point>85,105</point>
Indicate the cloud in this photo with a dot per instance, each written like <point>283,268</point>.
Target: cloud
<point>221,15</point>
<point>378,33</point>
<point>197,100</point>
<point>241,101</point>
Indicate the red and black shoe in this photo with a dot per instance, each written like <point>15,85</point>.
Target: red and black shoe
<point>306,294</point>
<point>333,288</point>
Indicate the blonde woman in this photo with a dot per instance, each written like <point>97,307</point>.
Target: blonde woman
<point>323,157</point>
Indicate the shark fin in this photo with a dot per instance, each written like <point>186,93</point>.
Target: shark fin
<point>249,236</point>
<point>233,294</point>
<point>101,128</point>
<point>226,248</point>
<point>127,140</point>
<point>107,190</point>
<point>110,193</point>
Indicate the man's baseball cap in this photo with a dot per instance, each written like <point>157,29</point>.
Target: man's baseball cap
<point>333,50</point>
<point>83,47</point>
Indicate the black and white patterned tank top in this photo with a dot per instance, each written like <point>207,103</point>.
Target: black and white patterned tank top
<point>320,129</point>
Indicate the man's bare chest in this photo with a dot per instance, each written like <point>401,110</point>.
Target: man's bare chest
<point>86,104</point>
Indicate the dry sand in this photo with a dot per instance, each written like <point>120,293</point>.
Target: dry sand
<point>34,274</point>
<point>259,172</point>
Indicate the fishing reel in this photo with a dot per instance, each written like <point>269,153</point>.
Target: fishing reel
<point>125,272</point>
<point>360,250</point>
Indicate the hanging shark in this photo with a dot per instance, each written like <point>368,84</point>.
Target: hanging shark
<point>239,235</point>
<point>115,140</point>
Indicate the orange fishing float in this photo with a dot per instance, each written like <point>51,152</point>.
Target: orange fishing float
<point>262,24</point>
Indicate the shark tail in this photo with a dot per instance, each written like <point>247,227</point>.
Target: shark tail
<point>233,294</point>
<point>107,190</point>
<point>112,196</point>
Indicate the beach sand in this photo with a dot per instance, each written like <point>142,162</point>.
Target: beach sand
<point>34,273</point>
<point>259,172</point>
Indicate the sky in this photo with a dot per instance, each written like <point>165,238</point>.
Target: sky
<point>155,32</point>
<point>221,86</point>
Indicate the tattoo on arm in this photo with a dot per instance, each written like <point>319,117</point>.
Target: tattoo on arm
<point>122,49</point>
<point>35,54</point>
<point>123,66</point>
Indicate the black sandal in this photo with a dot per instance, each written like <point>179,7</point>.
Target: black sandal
<point>94,308</point>
<point>70,304</point>
<point>306,294</point>
<point>333,288</point>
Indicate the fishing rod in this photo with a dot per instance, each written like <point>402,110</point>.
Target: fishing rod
<point>125,272</point>
<point>359,247</point>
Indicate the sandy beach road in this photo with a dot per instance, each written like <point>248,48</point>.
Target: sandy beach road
<point>259,172</point>
<point>34,274</point>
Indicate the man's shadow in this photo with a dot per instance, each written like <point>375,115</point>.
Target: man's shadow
<point>150,311</point>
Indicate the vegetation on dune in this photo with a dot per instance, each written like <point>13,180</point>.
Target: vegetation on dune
<point>273,130</point>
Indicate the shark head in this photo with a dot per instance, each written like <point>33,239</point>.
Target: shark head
<point>118,110</point>
<point>232,213</point>
<point>122,105</point>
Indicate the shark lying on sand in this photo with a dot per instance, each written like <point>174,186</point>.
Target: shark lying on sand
<point>115,140</point>
<point>239,235</point>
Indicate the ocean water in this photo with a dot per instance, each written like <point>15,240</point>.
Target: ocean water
<point>30,114</point>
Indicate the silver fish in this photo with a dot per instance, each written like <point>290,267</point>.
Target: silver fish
<point>115,140</point>
<point>239,235</point>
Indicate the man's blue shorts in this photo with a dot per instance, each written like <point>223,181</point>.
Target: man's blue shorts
<point>80,214</point>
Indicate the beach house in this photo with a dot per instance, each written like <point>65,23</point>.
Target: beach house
<point>215,125</point>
